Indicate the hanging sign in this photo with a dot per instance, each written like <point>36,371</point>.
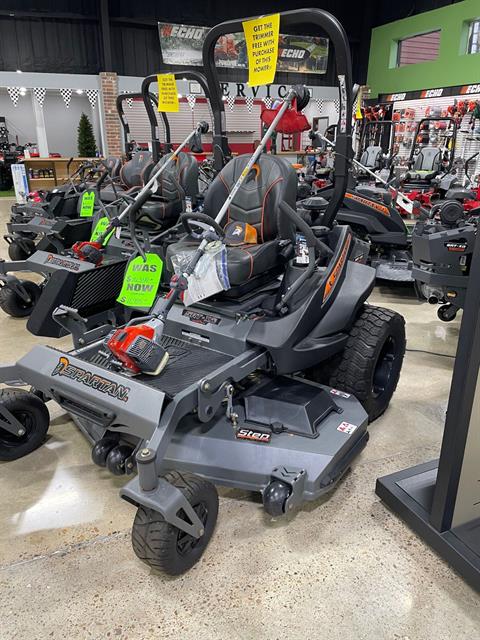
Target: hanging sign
<point>167,93</point>
<point>261,37</point>
<point>87,204</point>
<point>100,228</point>
<point>141,280</point>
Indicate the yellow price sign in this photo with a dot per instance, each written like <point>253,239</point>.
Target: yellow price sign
<point>261,37</point>
<point>167,93</point>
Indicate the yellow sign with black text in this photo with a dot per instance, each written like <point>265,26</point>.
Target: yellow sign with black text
<point>167,93</point>
<point>261,37</point>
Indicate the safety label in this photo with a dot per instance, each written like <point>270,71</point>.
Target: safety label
<point>261,37</point>
<point>346,427</point>
<point>167,93</point>
<point>141,280</point>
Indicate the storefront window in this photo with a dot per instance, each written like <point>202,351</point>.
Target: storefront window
<point>421,48</point>
<point>474,37</point>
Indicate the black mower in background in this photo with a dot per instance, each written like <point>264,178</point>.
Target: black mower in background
<point>68,277</point>
<point>228,390</point>
<point>442,249</point>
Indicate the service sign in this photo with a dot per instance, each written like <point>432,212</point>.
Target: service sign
<point>182,44</point>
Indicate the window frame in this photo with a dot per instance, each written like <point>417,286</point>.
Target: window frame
<point>473,30</point>
<point>416,35</point>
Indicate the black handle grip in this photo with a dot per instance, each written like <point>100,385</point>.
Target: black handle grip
<point>200,217</point>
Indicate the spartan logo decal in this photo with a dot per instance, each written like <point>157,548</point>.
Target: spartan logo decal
<point>89,379</point>
<point>61,262</point>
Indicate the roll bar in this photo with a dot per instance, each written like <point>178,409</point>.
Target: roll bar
<point>418,130</point>
<point>123,97</point>
<point>338,37</point>
<point>188,75</point>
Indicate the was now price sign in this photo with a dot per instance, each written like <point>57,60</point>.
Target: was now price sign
<point>261,37</point>
<point>100,229</point>
<point>87,204</point>
<point>141,280</point>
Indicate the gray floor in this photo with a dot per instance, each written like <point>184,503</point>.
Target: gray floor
<point>341,568</point>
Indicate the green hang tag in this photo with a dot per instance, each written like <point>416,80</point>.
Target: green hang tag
<point>140,282</point>
<point>100,228</point>
<point>87,204</point>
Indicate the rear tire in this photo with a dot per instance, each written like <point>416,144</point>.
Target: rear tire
<point>163,546</point>
<point>369,366</point>
<point>13,305</point>
<point>33,414</point>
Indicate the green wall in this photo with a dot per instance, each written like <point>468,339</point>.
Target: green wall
<point>452,67</point>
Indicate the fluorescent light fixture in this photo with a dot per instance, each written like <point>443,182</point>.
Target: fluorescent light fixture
<point>19,71</point>
<point>79,91</point>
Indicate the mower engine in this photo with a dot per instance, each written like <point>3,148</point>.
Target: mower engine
<point>134,346</point>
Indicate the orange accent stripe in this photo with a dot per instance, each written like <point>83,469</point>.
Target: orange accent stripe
<point>265,200</point>
<point>337,269</point>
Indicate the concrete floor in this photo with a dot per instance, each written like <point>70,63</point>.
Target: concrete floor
<point>344,567</point>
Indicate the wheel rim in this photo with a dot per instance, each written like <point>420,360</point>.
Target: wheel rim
<point>185,541</point>
<point>10,440</point>
<point>384,367</point>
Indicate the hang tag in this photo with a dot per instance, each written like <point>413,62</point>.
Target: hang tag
<point>141,281</point>
<point>100,228</point>
<point>261,37</point>
<point>167,93</point>
<point>87,204</point>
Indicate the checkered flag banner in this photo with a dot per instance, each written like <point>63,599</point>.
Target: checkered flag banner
<point>14,93</point>
<point>92,95</point>
<point>67,96</point>
<point>191,99</point>
<point>320,104</point>
<point>39,93</point>
<point>267,102</point>
<point>336,104</point>
<point>231,102</point>
<point>249,103</point>
<point>129,101</point>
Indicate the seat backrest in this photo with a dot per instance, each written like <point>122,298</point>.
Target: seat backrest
<point>183,171</point>
<point>113,164</point>
<point>271,181</point>
<point>132,172</point>
<point>371,157</point>
<point>428,159</point>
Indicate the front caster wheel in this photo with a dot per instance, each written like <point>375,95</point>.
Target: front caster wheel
<point>21,250</point>
<point>447,313</point>
<point>101,450</point>
<point>15,305</point>
<point>275,498</point>
<point>32,414</point>
<point>163,546</point>
<point>117,459</point>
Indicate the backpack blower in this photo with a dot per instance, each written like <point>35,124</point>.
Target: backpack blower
<point>92,251</point>
<point>137,345</point>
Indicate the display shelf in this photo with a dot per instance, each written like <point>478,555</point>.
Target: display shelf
<point>58,167</point>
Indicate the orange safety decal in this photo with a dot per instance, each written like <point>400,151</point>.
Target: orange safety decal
<point>333,277</point>
<point>369,203</point>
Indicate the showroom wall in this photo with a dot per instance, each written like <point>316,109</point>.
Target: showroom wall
<point>453,65</point>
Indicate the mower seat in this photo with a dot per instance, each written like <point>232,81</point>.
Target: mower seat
<point>372,158</point>
<point>114,165</point>
<point>179,179</point>
<point>426,166</point>
<point>271,181</point>
<point>459,193</point>
<point>132,175</point>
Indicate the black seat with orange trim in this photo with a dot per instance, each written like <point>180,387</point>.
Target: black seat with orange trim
<point>132,174</point>
<point>256,204</point>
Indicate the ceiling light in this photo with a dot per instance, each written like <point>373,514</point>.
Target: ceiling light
<point>19,71</point>
<point>79,91</point>
<point>179,95</point>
